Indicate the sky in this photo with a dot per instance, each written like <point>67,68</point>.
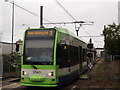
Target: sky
<point>101,12</point>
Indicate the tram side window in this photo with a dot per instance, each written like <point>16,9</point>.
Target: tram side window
<point>84,54</point>
<point>80,54</point>
<point>74,55</point>
<point>62,56</point>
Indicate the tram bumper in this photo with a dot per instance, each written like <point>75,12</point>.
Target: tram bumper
<point>39,81</point>
<point>44,76</point>
<point>37,78</point>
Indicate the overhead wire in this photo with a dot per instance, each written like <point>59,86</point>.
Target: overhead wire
<point>65,10</point>
<point>90,35</point>
<point>48,20</point>
<point>30,11</point>
<point>70,15</point>
<point>44,18</point>
<point>86,31</point>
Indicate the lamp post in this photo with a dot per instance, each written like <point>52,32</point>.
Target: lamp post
<point>12,21</point>
<point>26,25</point>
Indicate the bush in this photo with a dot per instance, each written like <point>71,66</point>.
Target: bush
<point>15,61</point>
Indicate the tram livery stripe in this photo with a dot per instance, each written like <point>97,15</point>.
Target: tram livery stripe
<point>65,71</point>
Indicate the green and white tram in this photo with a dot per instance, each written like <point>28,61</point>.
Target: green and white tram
<point>51,57</point>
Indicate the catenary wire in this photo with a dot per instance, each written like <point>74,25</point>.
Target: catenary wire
<point>30,12</point>
<point>65,10</point>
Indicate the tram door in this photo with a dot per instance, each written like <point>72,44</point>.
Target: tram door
<point>66,58</point>
<point>80,57</point>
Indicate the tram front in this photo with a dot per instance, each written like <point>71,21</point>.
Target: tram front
<point>38,63</point>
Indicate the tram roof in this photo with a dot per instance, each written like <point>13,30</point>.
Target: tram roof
<point>62,30</point>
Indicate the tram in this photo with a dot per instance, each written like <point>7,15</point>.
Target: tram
<point>51,57</point>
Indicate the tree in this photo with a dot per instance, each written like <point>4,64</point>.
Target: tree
<point>112,39</point>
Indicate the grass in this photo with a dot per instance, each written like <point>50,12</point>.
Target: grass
<point>104,66</point>
<point>103,75</point>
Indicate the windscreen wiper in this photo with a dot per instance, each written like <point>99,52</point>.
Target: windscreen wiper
<point>34,67</point>
<point>50,62</point>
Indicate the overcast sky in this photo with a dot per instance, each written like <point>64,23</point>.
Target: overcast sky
<point>101,12</point>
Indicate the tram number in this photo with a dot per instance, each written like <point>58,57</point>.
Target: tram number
<point>36,72</point>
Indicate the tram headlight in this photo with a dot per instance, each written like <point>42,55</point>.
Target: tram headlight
<point>24,73</point>
<point>50,74</point>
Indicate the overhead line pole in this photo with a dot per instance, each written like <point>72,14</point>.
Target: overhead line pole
<point>41,16</point>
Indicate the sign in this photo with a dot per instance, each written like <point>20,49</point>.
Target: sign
<point>40,32</point>
<point>90,46</point>
<point>90,55</point>
<point>36,72</point>
<point>90,65</point>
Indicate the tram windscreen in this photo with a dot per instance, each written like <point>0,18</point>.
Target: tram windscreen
<point>38,49</point>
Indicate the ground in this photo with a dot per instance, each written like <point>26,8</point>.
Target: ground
<point>103,75</point>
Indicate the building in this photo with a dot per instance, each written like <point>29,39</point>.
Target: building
<point>1,59</point>
<point>119,12</point>
<point>100,52</point>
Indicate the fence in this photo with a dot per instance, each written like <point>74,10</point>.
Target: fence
<point>114,67</point>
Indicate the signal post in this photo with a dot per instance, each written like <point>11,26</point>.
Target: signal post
<point>90,57</point>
